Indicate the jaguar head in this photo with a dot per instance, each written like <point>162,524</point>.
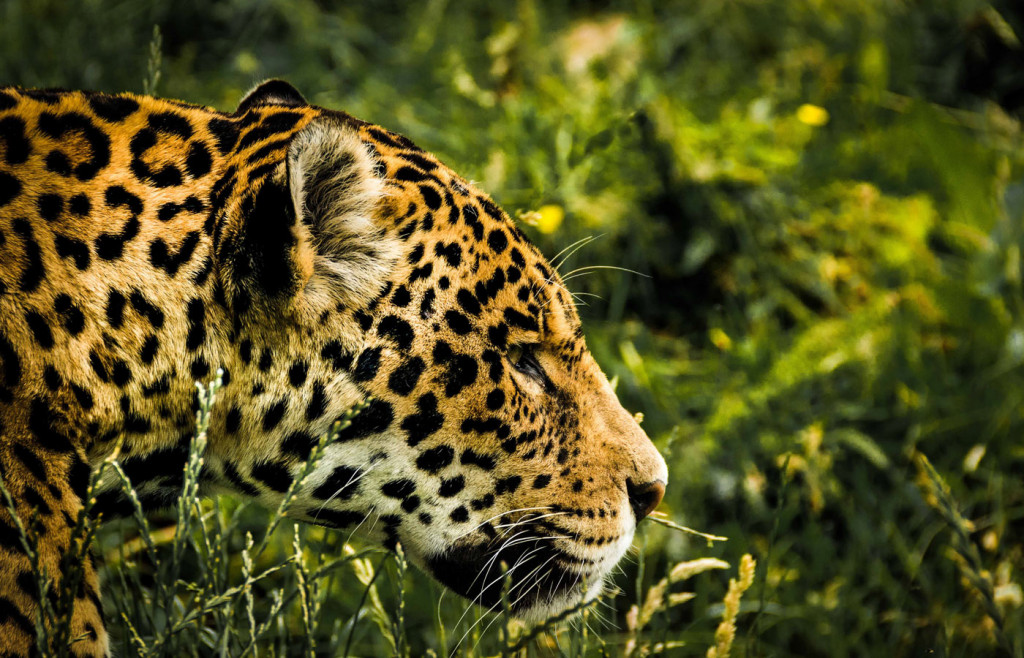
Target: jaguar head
<point>493,446</point>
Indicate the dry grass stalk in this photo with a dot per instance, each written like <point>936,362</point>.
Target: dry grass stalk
<point>726,632</point>
<point>658,598</point>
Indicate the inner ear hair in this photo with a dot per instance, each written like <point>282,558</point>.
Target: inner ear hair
<point>336,193</point>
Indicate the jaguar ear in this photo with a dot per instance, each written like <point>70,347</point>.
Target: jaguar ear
<point>335,192</point>
<point>271,92</point>
<point>310,229</point>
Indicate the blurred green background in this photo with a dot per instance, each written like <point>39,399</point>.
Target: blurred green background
<point>824,201</point>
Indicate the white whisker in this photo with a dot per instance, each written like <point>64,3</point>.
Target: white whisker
<point>351,481</point>
<point>487,565</point>
<point>479,525</point>
<point>557,261</point>
<point>491,608</point>
<point>590,268</point>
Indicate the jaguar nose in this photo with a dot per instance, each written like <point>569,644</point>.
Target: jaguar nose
<point>643,498</point>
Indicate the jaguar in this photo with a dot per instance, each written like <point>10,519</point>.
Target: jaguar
<point>318,262</point>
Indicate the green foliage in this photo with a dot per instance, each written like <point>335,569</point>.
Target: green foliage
<point>825,200</point>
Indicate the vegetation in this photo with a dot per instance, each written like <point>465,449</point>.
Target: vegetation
<point>824,203</point>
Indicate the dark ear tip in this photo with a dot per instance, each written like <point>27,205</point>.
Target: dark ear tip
<point>272,92</point>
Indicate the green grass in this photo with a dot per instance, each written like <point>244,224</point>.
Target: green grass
<point>826,200</point>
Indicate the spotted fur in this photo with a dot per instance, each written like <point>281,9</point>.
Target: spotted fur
<point>318,260</point>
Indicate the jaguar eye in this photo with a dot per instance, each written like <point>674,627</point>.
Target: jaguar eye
<point>522,359</point>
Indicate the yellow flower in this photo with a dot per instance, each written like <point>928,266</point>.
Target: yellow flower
<point>720,339</point>
<point>550,218</point>
<point>812,115</point>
